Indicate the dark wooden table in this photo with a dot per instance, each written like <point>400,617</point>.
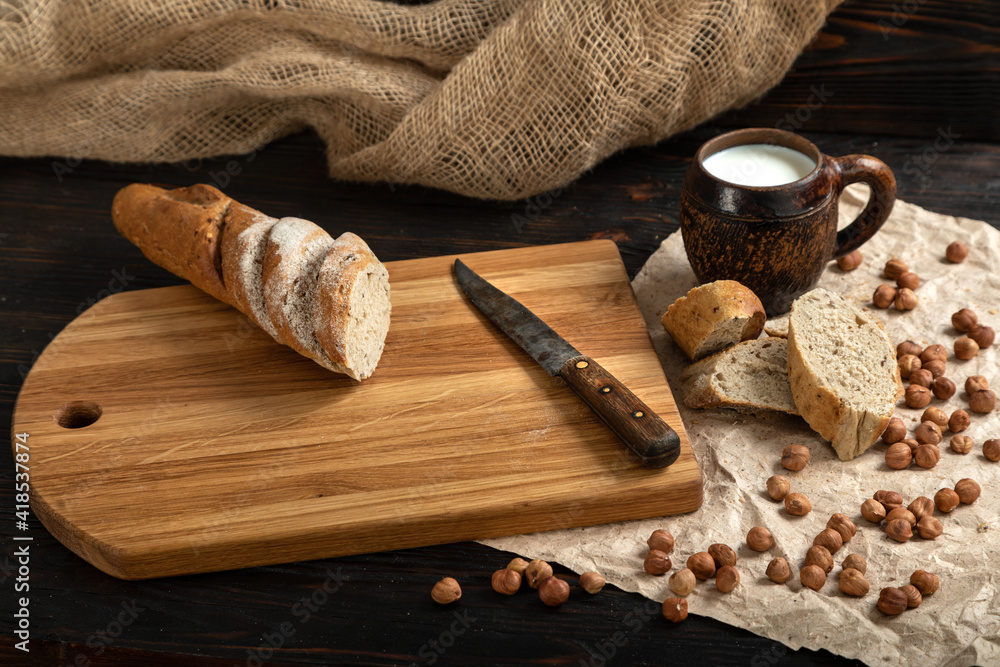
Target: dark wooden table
<point>895,81</point>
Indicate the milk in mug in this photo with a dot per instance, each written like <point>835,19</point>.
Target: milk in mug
<point>759,165</point>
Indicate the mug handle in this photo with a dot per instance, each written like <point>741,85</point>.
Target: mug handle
<point>878,176</point>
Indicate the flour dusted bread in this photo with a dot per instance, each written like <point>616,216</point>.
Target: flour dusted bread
<point>326,298</point>
<point>750,376</point>
<point>713,316</point>
<point>842,369</point>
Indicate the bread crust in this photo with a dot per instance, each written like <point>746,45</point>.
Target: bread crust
<point>178,230</point>
<point>692,319</point>
<point>245,232</point>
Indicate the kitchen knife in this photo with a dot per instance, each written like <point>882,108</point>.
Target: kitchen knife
<point>648,436</point>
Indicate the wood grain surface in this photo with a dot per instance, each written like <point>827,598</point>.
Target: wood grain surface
<point>893,96</point>
<point>170,437</point>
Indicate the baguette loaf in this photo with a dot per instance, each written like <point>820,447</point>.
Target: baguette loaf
<point>713,316</point>
<point>843,371</point>
<point>326,298</point>
<point>750,376</point>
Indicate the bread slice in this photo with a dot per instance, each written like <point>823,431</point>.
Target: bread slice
<point>750,376</point>
<point>713,316</point>
<point>842,369</point>
<point>244,242</point>
<point>777,327</point>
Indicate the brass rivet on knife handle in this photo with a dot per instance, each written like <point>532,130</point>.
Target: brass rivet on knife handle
<point>648,436</point>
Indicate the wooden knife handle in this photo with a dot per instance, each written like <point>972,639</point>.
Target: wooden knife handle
<point>648,436</point>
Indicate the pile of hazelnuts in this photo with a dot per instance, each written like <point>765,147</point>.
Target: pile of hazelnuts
<point>552,590</point>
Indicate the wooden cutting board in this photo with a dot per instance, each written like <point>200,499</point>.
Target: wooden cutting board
<point>169,436</point>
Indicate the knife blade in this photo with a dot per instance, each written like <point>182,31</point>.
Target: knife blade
<point>642,430</point>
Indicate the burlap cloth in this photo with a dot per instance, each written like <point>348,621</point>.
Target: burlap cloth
<point>958,625</point>
<point>488,98</point>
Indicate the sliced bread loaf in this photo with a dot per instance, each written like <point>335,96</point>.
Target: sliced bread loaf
<point>713,316</point>
<point>752,375</point>
<point>842,369</point>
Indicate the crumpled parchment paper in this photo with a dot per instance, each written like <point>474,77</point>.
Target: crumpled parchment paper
<point>958,625</point>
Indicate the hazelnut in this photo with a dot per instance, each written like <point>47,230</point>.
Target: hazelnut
<point>518,565</point>
<point>795,457</point>
<point>536,572</point>
<point>682,582</point>
<point>890,499</point>
<point>702,565</point>
<point>961,444</point>
<point>906,299</point>
<point>778,487</point>
<point>902,513</point>
<point>850,261</point>
<point>797,504</point>
<point>968,491</point>
<point>553,591</point>
<point>966,348</point>
<point>956,252</point>
<point>913,596</point>
<point>936,415</point>
<point>920,507</point>
<point>446,591</point>
<point>959,421</point>
<point>899,530</point>
<point>661,540</point>
<point>812,576</point>
<point>975,383</point>
<point>675,610</point>
<point>927,456</point>
<point>884,296</point>
<point>927,433</point>
<point>820,557</point>
<point>918,396</point>
<point>929,528</point>
<point>760,539</point>
<point>894,268</point>
<point>873,511</point>
<point>843,525</point>
<point>932,352</point>
<point>727,578</point>
<point>506,581</point>
<point>908,347</point>
<point>853,583</point>
<point>983,401</point>
<point>943,388</point>
<point>984,336</point>
<point>935,367</point>
<point>898,456</point>
<point>856,562</point>
<point>592,582</point>
<point>778,570</point>
<point>991,449</point>
<point>894,432</point>
<point>925,582</point>
<point>922,377</point>
<point>891,601</point>
<point>657,563</point>
<point>908,365</point>
<point>909,280</point>
<point>830,539</point>
<point>912,444</point>
<point>946,500</point>
<point>964,320</point>
<point>722,554</point>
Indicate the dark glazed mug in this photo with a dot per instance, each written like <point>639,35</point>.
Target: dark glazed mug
<point>777,239</point>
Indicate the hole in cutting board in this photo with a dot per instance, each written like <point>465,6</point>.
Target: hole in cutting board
<point>78,414</point>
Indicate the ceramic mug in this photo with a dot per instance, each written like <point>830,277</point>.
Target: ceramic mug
<point>777,239</point>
